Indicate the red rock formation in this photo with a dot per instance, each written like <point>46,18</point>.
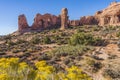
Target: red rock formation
<point>38,22</point>
<point>64,18</point>
<point>45,21</point>
<point>56,20</point>
<point>22,23</point>
<point>110,15</point>
<point>88,20</point>
<point>74,23</point>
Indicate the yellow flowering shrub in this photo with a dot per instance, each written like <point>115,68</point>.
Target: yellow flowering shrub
<point>12,69</point>
<point>3,76</point>
<point>74,73</point>
<point>44,71</point>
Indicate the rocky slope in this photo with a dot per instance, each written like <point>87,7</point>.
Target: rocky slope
<point>54,46</point>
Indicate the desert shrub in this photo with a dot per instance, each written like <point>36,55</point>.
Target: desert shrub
<point>35,40</point>
<point>112,27</point>
<point>63,34</point>
<point>56,37</point>
<point>83,39</point>
<point>47,40</point>
<point>44,57</point>
<point>90,62</point>
<point>48,72</point>
<point>55,58</point>
<point>118,34</point>
<point>44,71</point>
<point>12,69</point>
<point>2,53</point>
<point>96,28</point>
<point>53,30</point>
<point>66,61</point>
<point>10,43</point>
<point>112,56</point>
<point>8,37</point>
<point>33,48</point>
<point>74,73</point>
<point>112,69</point>
<point>70,50</point>
<point>15,51</point>
<point>61,42</point>
<point>80,30</point>
<point>95,66</point>
<point>60,38</point>
<point>20,41</point>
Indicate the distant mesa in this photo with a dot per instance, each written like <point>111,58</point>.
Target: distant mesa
<point>106,17</point>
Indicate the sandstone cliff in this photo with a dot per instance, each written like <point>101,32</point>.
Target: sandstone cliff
<point>22,23</point>
<point>110,15</point>
<point>46,21</point>
<point>105,17</point>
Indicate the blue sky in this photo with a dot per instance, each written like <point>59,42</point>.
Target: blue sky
<point>10,9</point>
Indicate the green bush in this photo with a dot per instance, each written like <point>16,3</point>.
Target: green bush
<point>35,40</point>
<point>118,34</point>
<point>15,51</point>
<point>47,40</point>
<point>95,65</point>
<point>83,39</point>
<point>70,50</point>
<point>10,43</point>
<point>20,41</point>
<point>112,69</point>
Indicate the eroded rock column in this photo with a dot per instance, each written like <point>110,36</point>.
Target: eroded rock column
<point>22,23</point>
<point>64,19</point>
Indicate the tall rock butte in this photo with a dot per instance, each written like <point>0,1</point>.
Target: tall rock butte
<point>38,22</point>
<point>46,21</point>
<point>64,18</point>
<point>110,15</point>
<point>22,23</point>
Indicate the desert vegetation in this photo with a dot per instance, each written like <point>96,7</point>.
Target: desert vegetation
<point>13,69</point>
<point>80,52</point>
